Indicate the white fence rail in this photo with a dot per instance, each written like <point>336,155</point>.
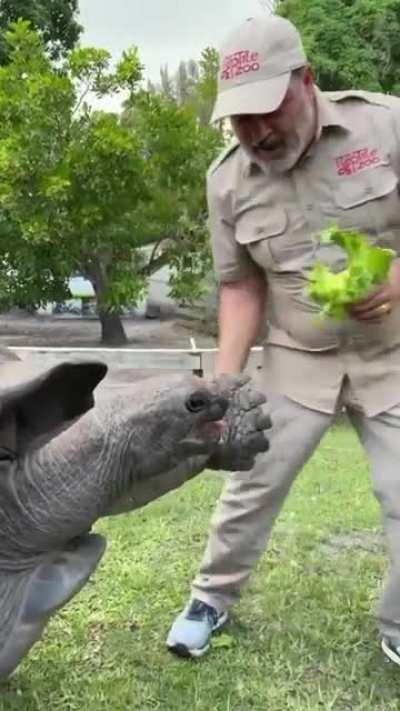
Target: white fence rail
<point>193,358</point>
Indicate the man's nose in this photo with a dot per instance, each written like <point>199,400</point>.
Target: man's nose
<point>257,126</point>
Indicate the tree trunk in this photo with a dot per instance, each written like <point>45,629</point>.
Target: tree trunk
<point>112,330</point>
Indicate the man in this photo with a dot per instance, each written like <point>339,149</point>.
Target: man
<point>302,161</point>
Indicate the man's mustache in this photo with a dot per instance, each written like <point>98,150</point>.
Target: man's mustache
<point>269,143</point>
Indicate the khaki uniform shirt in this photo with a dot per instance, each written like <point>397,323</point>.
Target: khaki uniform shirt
<point>350,177</point>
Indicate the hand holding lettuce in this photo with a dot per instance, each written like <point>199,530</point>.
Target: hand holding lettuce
<point>367,267</point>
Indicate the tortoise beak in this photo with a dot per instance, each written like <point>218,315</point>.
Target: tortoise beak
<point>218,408</point>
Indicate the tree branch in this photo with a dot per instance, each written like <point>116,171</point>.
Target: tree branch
<point>153,254</point>
<point>81,98</point>
<point>155,265</point>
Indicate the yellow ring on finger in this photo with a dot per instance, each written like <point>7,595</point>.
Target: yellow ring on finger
<point>384,308</point>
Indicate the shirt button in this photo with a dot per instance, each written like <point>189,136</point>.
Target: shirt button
<point>368,191</point>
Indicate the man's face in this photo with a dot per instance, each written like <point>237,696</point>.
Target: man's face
<point>277,140</point>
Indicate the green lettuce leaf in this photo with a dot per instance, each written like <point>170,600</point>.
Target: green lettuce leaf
<point>367,266</point>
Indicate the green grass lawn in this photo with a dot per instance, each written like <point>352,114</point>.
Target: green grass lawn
<point>303,636</point>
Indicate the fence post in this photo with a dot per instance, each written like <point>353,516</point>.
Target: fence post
<point>196,371</point>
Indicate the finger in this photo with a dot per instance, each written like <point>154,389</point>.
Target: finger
<point>368,318</point>
<point>373,316</point>
<point>377,298</point>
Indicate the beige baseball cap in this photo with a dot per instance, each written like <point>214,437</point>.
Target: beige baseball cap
<point>256,61</point>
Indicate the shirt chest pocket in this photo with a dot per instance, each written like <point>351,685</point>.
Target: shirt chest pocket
<point>369,202</point>
<point>270,240</point>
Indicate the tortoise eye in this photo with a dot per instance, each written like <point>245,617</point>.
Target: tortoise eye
<point>197,402</point>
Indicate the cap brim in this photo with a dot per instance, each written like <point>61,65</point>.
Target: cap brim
<point>257,97</point>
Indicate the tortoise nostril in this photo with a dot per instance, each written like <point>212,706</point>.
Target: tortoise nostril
<point>197,402</point>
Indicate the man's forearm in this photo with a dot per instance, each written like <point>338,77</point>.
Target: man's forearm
<point>241,316</point>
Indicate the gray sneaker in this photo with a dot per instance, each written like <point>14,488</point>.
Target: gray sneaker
<point>191,632</point>
<point>391,648</point>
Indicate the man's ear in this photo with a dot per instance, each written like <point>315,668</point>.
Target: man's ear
<point>37,406</point>
<point>308,78</point>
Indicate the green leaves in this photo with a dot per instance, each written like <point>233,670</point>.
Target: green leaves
<point>53,19</point>
<point>129,70</point>
<point>224,641</point>
<point>87,191</point>
<point>350,44</point>
<point>367,266</point>
<point>88,63</point>
<point>91,68</point>
<point>178,149</point>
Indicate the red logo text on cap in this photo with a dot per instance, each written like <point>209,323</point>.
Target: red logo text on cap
<point>238,63</point>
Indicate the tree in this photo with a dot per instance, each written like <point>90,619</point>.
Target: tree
<point>195,87</point>
<point>86,191</point>
<point>205,92</point>
<point>174,222</point>
<point>167,85</point>
<point>194,84</point>
<point>350,43</point>
<point>185,81</point>
<point>55,20</point>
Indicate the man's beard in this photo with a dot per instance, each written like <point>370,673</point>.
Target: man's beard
<point>293,148</point>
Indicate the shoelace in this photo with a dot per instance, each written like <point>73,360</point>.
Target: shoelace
<point>198,609</point>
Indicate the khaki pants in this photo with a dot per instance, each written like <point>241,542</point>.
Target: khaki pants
<point>252,500</point>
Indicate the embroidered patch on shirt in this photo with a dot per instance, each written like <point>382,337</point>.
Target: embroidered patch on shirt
<point>355,161</point>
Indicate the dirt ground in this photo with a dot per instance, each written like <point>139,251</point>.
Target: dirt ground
<point>16,330</point>
<point>73,332</point>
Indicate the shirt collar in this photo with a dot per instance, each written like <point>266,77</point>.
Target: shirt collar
<point>330,113</point>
